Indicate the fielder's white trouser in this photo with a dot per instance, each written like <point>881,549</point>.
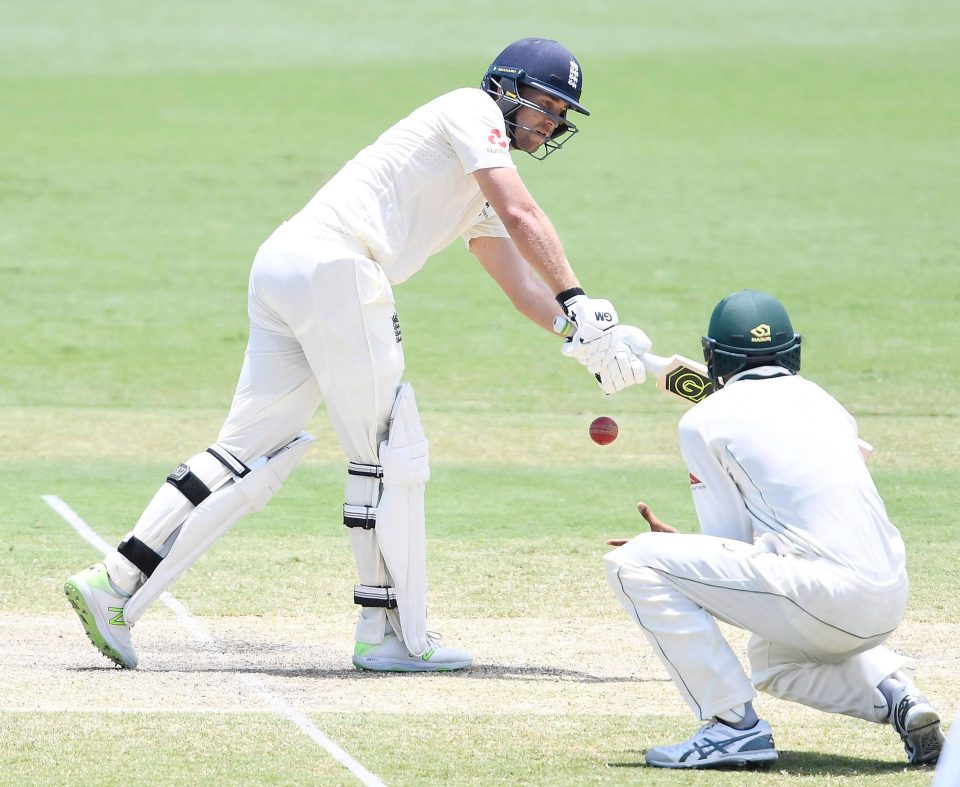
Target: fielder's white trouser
<point>817,627</point>
<point>322,327</point>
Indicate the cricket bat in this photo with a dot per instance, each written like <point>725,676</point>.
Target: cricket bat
<point>676,375</point>
<point>679,376</point>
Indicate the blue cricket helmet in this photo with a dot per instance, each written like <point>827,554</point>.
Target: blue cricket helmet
<point>542,64</point>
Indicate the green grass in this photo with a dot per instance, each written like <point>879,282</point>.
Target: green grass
<point>490,749</point>
<point>806,148</point>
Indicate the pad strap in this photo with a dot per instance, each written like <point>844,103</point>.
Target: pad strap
<point>371,471</point>
<point>373,596</point>
<point>189,485</point>
<point>228,460</point>
<point>360,516</point>
<point>138,553</point>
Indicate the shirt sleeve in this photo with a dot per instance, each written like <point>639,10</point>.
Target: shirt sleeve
<point>473,125</point>
<point>488,225</point>
<point>719,504</point>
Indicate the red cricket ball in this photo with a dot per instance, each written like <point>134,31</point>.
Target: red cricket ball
<point>604,430</point>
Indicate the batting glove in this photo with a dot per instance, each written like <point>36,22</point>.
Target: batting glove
<point>592,319</point>
<point>622,366</point>
<point>625,369</point>
<point>592,316</point>
<point>600,353</point>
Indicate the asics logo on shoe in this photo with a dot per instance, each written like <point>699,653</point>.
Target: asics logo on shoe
<point>709,747</point>
<point>117,619</point>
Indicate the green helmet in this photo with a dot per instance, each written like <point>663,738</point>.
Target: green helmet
<point>748,329</point>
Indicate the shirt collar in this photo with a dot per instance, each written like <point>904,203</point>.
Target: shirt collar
<point>756,372</point>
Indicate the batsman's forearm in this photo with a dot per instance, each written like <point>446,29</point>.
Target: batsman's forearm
<point>540,246</point>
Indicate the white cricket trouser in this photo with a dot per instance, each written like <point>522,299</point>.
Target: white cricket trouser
<point>321,327</point>
<point>817,626</point>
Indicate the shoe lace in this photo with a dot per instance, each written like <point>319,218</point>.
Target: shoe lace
<point>433,642</point>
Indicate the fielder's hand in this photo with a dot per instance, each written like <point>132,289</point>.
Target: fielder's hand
<point>656,526</point>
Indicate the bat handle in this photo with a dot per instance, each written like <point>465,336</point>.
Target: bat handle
<point>563,327</point>
<point>655,364</point>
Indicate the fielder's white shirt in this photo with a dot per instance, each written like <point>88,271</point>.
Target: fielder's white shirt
<point>777,461</point>
<point>411,193</point>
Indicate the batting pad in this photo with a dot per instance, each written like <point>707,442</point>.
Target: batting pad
<point>215,516</point>
<point>401,526</point>
<point>374,593</point>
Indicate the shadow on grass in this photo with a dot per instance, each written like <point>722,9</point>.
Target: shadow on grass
<point>476,672</point>
<point>804,763</point>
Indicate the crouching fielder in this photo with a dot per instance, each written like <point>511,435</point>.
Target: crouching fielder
<point>796,548</point>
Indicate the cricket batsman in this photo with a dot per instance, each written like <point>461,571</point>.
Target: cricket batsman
<point>324,327</point>
<point>795,547</point>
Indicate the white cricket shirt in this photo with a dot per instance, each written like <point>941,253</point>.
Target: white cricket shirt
<point>411,193</point>
<point>780,456</point>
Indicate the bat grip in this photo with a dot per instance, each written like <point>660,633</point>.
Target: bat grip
<point>654,364</point>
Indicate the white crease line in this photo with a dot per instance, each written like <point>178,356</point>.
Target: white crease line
<point>150,709</point>
<point>202,634</point>
<point>194,626</point>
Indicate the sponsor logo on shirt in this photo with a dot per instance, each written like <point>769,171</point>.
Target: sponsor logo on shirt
<point>574,76</point>
<point>485,211</point>
<point>496,138</point>
<point>696,483</point>
<point>761,333</point>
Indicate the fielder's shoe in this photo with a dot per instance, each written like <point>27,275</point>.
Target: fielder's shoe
<point>918,724</point>
<point>100,608</point>
<point>718,744</point>
<point>392,656</point>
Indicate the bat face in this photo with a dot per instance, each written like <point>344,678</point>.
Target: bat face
<point>687,382</point>
<point>679,376</point>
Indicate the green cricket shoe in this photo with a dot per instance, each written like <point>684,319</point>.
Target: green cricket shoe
<point>100,608</point>
<point>392,655</point>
